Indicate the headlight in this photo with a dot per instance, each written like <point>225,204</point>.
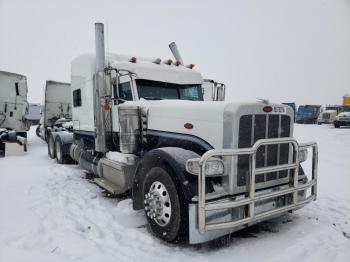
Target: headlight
<point>302,155</point>
<point>213,167</point>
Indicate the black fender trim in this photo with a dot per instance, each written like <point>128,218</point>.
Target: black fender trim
<point>158,139</point>
<point>174,160</point>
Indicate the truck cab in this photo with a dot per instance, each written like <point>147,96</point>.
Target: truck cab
<point>343,118</point>
<point>57,108</point>
<point>13,110</point>
<point>308,114</point>
<point>328,115</point>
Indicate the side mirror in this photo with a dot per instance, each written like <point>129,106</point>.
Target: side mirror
<point>219,92</point>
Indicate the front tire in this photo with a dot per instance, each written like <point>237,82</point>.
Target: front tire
<point>336,124</point>
<point>165,207</point>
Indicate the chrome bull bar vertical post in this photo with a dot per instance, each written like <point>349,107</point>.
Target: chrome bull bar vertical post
<point>251,198</point>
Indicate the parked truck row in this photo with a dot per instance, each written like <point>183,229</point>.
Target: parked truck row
<point>338,115</point>
<point>159,132</point>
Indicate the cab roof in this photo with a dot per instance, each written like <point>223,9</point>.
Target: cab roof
<point>146,68</point>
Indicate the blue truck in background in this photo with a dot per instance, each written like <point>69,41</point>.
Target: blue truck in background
<point>308,114</point>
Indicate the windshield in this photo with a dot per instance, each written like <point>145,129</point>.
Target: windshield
<point>308,111</point>
<point>331,108</point>
<point>153,90</point>
<point>345,109</point>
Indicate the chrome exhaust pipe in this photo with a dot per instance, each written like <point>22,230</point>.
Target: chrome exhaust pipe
<point>99,89</point>
<point>176,53</point>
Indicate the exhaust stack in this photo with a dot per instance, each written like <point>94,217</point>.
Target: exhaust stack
<point>99,90</point>
<point>100,47</point>
<point>176,53</point>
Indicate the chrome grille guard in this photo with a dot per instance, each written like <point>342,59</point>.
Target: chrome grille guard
<point>251,199</point>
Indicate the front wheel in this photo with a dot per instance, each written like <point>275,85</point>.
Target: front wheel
<point>336,124</point>
<point>164,206</point>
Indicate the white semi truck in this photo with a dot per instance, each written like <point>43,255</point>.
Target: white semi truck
<point>343,118</point>
<point>57,108</point>
<point>13,110</point>
<point>328,115</point>
<point>199,169</point>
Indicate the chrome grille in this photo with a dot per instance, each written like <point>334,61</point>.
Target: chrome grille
<point>261,126</point>
<point>326,115</point>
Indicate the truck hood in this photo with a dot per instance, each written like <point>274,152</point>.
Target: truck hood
<point>212,121</point>
<point>344,114</point>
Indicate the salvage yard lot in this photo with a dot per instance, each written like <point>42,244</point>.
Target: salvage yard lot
<point>51,212</point>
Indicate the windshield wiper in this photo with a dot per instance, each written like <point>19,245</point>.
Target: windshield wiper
<point>152,98</point>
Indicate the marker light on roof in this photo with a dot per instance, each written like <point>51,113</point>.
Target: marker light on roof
<point>157,61</point>
<point>190,66</point>
<point>177,63</point>
<point>133,59</point>
<point>169,62</point>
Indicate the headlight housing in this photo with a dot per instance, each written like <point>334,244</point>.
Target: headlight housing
<point>213,167</point>
<point>303,155</point>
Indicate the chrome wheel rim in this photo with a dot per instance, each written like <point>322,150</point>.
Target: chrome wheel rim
<point>158,204</point>
<point>58,151</point>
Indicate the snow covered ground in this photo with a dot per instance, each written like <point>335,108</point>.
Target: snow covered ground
<point>51,212</point>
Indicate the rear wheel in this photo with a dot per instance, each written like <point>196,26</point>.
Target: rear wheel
<point>47,135</point>
<point>51,146</point>
<point>60,156</point>
<point>37,131</point>
<point>164,205</point>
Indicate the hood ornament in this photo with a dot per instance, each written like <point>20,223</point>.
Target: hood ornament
<point>263,100</point>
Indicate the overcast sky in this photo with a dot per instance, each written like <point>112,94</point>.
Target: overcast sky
<point>296,50</point>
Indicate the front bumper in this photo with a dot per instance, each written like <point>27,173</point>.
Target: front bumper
<point>306,120</point>
<point>343,122</point>
<point>325,121</point>
<point>212,219</point>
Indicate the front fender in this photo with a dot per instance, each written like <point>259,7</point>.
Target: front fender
<point>173,159</point>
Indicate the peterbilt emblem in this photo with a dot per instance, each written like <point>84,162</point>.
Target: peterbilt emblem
<point>188,126</point>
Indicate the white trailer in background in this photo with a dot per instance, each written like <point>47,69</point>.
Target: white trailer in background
<point>199,169</point>
<point>13,109</point>
<point>34,114</point>
<point>57,108</point>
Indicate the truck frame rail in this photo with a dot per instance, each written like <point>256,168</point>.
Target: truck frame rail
<point>250,200</point>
